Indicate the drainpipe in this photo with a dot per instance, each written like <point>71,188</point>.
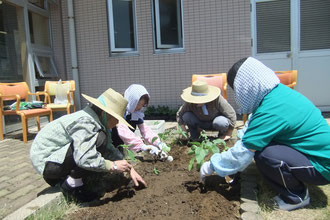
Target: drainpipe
<point>73,50</point>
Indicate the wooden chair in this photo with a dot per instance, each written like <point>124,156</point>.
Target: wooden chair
<point>288,78</point>
<point>218,80</point>
<point>18,92</point>
<point>50,91</point>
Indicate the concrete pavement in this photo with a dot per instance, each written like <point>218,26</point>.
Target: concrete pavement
<point>19,182</point>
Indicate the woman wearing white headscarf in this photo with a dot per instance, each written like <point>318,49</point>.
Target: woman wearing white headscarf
<point>138,99</point>
<point>286,135</point>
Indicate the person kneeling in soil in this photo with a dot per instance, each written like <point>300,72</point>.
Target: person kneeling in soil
<point>286,135</point>
<point>205,108</point>
<point>73,146</point>
<point>138,99</point>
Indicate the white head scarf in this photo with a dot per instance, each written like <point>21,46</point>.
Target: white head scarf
<point>133,94</point>
<point>253,81</point>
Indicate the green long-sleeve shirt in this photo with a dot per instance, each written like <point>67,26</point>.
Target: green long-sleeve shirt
<point>287,117</point>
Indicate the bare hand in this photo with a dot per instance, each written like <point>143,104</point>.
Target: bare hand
<point>122,166</point>
<point>137,178</point>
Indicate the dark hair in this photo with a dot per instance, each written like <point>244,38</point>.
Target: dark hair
<point>145,97</point>
<point>233,71</point>
<point>96,109</point>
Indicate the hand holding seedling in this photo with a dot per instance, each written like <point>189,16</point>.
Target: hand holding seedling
<point>158,153</point>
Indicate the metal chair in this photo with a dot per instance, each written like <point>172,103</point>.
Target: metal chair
<point>18,92</point>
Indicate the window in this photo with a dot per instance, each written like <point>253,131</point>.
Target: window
<point>45,66</point>
<point>122,26</point>
<point>168,24</point>
<point>39,29</point>
<point>41,44</point>
<point>39,3</point>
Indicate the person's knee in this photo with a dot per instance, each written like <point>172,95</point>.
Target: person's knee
<point>190,119</point>
<point>220,124</point>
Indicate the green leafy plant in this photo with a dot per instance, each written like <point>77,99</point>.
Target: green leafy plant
<point>164,136</point>
<point>129,152</point>
<point>200,150</point>
<point>156,171</point>
<point>155,138</point>
<point>177,135</point>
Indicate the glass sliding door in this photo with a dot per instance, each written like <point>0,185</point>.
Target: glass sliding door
<point>12,43</point>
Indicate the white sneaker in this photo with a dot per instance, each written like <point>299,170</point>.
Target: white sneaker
<point>287,206</point>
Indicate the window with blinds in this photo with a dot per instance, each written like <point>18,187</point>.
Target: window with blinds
<point>273,26</point>
<point>314,24</point>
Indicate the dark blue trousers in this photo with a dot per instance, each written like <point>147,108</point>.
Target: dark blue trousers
<point>287,170</point>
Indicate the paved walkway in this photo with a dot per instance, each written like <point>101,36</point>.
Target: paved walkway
<point>19,182</point>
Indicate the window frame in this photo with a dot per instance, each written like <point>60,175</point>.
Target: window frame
<point>121,51</point>
<point>44,53</point>
<point>167,48</point>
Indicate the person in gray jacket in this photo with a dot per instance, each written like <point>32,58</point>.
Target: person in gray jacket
<point>72,147</point>
<point>205,108</point>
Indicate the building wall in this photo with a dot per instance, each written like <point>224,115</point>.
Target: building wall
<point>216,35</point>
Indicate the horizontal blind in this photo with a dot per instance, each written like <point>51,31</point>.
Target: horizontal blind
<point>315,24</point>
<point>273,26</point>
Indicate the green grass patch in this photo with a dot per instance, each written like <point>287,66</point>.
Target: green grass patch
<point>56,210</point>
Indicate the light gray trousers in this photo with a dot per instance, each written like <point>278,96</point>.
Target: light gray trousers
<point>219,123</point>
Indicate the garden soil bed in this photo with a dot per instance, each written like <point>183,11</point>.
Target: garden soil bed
<point>174,193</point>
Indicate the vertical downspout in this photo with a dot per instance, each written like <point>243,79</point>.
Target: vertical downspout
<point>73,50</point>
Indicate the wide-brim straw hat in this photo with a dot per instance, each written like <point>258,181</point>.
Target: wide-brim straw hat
<point>112,102</point>
<point>200,92</point>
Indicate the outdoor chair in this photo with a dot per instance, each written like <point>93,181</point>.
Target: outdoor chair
<point>59,95</point>
<point>19,92</point>
<point>288,78</point>
<point>218,80</point>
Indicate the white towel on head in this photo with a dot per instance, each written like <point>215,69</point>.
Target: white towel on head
<point>253,81</point>
<point>133,94</point>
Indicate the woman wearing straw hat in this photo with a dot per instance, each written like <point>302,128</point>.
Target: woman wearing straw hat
<point>286,135</point>
<point>205,108</point>
<point>71,147</point>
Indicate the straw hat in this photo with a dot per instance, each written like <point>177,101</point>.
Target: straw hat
<point>200,92</point>
<point>112,103</point>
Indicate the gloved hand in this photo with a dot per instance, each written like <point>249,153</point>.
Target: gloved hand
<point>206,170</point>
<point>152,149</point>
<point>163,147</point>
<point>163,155</point>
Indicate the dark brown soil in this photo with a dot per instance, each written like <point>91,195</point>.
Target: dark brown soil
<point>174,193</point>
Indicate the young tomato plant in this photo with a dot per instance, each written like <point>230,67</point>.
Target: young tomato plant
<point>129,152</point>
<point>163,137</point>
<point>179,133</point>
<point>203,149</point>
<point>156,171</point>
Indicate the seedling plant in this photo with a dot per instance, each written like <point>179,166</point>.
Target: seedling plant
<point>129,152</point>
<point>200,150</point>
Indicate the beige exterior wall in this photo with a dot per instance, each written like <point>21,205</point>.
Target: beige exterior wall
<point>216,34</point>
